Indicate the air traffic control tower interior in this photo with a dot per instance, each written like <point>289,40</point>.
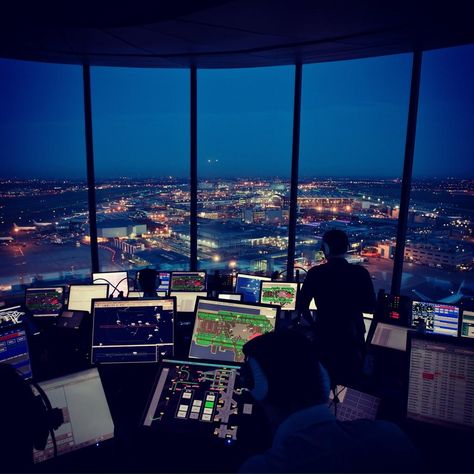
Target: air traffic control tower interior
<point>168,172</point>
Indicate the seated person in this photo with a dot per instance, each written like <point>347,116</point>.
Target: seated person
<point>293,388</point>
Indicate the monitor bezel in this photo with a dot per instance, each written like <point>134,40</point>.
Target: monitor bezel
<point>241,303</point>
<point>170,289</point>
<point>156,345</point>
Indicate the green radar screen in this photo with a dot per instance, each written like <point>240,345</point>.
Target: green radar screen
<point>282,294</point>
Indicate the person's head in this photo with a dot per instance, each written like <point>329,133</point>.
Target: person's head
<point>286,374</point>
<point>335,243</point>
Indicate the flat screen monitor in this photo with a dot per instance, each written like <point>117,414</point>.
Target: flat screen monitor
<point>390,336</point>
<point>81,296</point>
<point>127,331</point>
<point>203,398</point>
<point>87,419</point>
<point>353,404</point>
<point>186,300</point>
<point>188,281</point>
<point>249,286</point>
<point>437,318</point>
<point>117,281</point>
<point>312,303</point>
<point>229,296</point>
<point>11,315</point>
<point>467,324</point>
<point>221,328</point>
<point>14,349</point>
<point>279,293</point>
<point>44,301</point>
<point>441,382</point>
<point>139,294</point>
<point>164,281</point>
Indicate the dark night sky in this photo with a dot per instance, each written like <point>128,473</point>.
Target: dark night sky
<point>353,119</point>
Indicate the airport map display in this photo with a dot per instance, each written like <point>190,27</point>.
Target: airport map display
<point>279,293</point>
<point>200,397</point>
<point>222,328</point>
<point>132,330</point>
<point>44,301</point>
<point>188,281</point>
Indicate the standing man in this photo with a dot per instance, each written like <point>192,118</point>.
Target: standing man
<point>342,292</point>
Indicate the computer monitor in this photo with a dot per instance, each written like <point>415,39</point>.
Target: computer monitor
<point>118,282</point>
<point>312,303</point>
<point>81,296</point>
<point>437,318</point>
<point>353,404</point>
<point>87,419</point>
<point>164,281</point>
<point>127,331</point>
<point>390,336</point>
<point>188,281</point>
<point>221,328</point>
<point>203,398</point>
<point>44,302</point>
<point>139,294</point>
<point>441,381</point>
<point>279,293</point>
<point>186,300</point>
<point>249,286</point>
<point>229,296</point>
<point>14,349</point>
<point>467,324</point>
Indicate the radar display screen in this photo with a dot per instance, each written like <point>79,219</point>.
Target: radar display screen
<point>188,281</point>
<point>249,286</point>
<point>221,328</point>
<point>279,293</point>
<point>44,301</point>
<point>436,318</point>
<point>132,330</point>
<point>205,398</point>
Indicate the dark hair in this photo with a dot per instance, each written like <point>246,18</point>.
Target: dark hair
<point>337,241</point>
<point>291,367</point>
